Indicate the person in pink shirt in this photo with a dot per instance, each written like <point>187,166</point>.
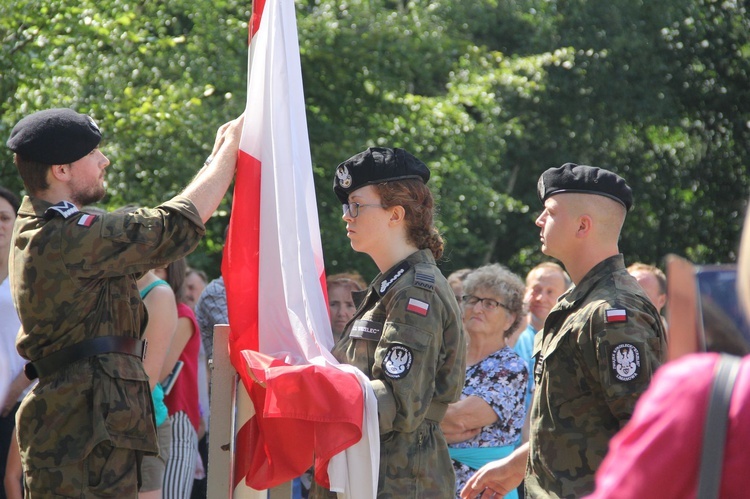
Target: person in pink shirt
<point>657,454</point>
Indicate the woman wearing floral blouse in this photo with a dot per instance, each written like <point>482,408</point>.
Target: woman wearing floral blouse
<point>486,423</point>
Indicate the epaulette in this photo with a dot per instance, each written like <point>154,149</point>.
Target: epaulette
<point>424,277</point>
<point>65,209</point>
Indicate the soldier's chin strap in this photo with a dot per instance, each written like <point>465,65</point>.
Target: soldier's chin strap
<point>88,348</point>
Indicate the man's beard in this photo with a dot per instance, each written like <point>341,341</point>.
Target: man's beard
<point>89,196</point>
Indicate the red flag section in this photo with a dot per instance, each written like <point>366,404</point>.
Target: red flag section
<point>280,336</point>
<point>301,406</point>
<point>240,260</point>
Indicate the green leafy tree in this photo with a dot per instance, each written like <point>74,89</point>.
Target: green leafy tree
<point>488,93</point>
<point>158,77</point>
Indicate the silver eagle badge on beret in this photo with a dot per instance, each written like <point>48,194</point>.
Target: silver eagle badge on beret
<point>93,124</point>
<point>345,179</point>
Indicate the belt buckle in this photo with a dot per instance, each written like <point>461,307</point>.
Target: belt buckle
<point>143,352</point>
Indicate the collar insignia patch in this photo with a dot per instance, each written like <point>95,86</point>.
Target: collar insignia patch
<point>392,277</point>
<point>65,209</point>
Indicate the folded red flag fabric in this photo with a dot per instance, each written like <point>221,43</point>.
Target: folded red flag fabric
<point>302,410</point>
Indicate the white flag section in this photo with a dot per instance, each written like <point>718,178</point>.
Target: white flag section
<point>275,134</point>
<point>293,324</point>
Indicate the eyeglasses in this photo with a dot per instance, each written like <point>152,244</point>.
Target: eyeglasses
<point>487,303</point>
<point>353,208</point>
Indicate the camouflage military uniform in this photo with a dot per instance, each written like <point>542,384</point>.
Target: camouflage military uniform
<point>73,277</point>
<point>597,353</point>
<point>407,338</point>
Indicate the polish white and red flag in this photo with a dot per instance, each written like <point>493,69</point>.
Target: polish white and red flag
<point>305,405</point>
<point>617,315</point>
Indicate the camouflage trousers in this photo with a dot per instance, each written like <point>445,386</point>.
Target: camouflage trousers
<point>106,472</point>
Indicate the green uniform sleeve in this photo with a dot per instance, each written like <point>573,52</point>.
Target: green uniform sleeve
<point>416,361</point>
<point>624,355</point>
<point>132,242</point>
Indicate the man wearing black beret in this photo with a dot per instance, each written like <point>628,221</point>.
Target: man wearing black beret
<point>599,347</point>
<point>84,429</point>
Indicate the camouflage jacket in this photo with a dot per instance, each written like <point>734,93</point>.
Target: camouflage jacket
<point>73,277</point>
<point>599,348</point>
<point>407,337</point>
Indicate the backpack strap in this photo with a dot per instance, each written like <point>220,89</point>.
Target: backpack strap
<point>715,429</point>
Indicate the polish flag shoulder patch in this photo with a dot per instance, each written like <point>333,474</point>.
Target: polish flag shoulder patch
<point>616,315</point>
<point>418,307</point>
<point>86,220</point>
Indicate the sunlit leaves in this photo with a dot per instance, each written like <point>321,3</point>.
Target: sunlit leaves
<point>488,93</point>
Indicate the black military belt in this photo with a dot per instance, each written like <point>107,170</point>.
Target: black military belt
<point>83,350</point>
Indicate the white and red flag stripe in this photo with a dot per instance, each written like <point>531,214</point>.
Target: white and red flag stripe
<point>280,336</point>
<point>86,220</point>
<point>418,306</point>
<point>617,315</point>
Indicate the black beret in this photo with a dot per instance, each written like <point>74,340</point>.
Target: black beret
<point>54,136</point>
<point>374,166</point>
<point>571,177</point>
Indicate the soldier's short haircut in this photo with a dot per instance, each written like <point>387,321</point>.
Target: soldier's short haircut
<point>33,174</point>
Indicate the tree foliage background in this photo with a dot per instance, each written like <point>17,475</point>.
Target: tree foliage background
<point>489,93</point>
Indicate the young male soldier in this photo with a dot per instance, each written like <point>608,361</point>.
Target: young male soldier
<point>599,347</point>
<point>83,430</point>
